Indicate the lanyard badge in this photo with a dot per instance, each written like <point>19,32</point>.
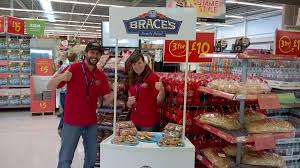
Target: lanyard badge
<point>88,83</point>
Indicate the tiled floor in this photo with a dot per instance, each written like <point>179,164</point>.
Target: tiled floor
<point>31,141</point>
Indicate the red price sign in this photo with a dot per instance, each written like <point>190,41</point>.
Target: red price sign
<point>43,67</point>
<point>15,25</point>
<point>2,24</point>
<point>287,43</point>
<point>175,50</point>
<point>270,101</point>
<point>43,105</point>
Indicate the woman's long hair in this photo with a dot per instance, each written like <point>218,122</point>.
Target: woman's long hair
<point>134,77</point>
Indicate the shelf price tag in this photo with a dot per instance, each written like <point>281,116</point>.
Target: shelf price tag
<point>175,50</point>
<point>287,98</point>
<point>15,25</point>
<point>264,141</point>
<point>269,101</point>
<point>2,24</point>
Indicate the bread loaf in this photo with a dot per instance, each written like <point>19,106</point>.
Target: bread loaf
<point>218,158</point>
<point>220,120</point>
<point>269,126</point>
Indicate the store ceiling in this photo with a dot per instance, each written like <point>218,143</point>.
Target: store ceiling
<point>76,12</point>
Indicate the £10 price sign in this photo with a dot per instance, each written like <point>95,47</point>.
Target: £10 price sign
<point>175,50</point>
<point>15,25</point>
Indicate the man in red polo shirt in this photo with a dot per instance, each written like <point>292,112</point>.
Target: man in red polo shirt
<point>85,83</point>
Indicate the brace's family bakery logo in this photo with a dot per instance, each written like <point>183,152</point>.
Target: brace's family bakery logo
<point>152,24</point>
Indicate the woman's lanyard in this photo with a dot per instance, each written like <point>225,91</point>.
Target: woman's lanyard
<point>88,83</point>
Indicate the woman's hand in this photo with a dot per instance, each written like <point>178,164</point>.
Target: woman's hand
<point>131,101</point>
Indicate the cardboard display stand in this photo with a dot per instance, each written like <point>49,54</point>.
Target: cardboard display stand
<point>162,23</point>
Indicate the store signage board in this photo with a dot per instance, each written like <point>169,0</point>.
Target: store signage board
<point>152,23</point>
<point>175,50</point>
<point>15,25</point>
<point>35,27</point>
<point>268,101</point>
<point>43,67</point>
<point>287,43</point>
<point>2,26</point>
<point>207,11</point>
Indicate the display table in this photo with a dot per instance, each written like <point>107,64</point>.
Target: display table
<point>146,155</point>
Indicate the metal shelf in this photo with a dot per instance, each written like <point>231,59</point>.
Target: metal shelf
<point>237,136</point>
<point>11,107</point>
<point>15,86</point>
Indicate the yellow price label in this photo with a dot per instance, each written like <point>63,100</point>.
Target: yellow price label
<point>178,46</point>
<point>17,26</point>
<point>201,47</point>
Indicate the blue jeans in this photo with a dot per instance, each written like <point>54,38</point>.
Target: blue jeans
<point>69,141</point>
<point>62,103</point>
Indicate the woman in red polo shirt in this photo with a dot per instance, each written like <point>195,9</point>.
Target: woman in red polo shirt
<point>145,92</point>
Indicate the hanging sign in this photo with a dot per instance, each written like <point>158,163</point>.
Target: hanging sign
<point>175,49</point>
<point>2,24</point>
<point>35,27</point>
<point>207,10</point>
<point>287,43</point>
<point>15,25</point>
<point>152,23</point>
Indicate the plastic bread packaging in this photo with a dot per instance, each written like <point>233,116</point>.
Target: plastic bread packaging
<point>218,158</point>
<point>269,126</point>
<point>262,158</point>
<point>173,127</point>
<point>127,132</point>
<point>170,142</point>
<point>124,140</point>
<point>125,124</point>
<point>255,158</point>
<point>225,121</point>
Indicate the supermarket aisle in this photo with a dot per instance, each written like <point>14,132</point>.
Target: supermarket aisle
<point>31,141</point>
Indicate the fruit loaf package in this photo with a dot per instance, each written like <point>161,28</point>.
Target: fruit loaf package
<point>3,44</point>
<point>25,44</point>
<point>3,97</point>
<point>25,67</point>
<point>13,43</point>
<point>3,81</point>
<point>25,55</point>
<point>25,96</point>
<point>25,79</point>
<point>14,97</point>
<point>14,80</point>
<point>3,69</point>
<point>13,55</point>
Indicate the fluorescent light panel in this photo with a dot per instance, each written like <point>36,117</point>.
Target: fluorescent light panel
<point>95,27</point>
<point>65,21</point>
<point>254,4</point>
<point>234,16</point>
<point>54,12</point>
<point>87,3</point>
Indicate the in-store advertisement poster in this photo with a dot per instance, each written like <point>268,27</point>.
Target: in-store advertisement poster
<point>2,24</point>
<point>207,10</point>
<point>35,27</point>
<point>175,50</point>
<point>287,43</point>
<point>152,23</point>
<point>15,25</point>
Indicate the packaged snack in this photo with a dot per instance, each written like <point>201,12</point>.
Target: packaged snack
<point>14,100</point>
<point>4,69</point>
<point>4,101</point>
<point>220,120</point>
<point>14,67</point>
<point>173,130</point>
<point>262,159</point>
<point>269,126</point>
<point>127,131</point>
<point>25,67</point>
<point>14,80</point>
<point>25,80</point>
<point>25,44</point>
<point>218,158</point>
<point>13,55</point>
<point>145,136</point>
<point>13,43</point>
<point>25,99</point>
<point>3,55</point>
<point>3,81</point>
<point>125,124</point>
<point>25,55</point>
<point>125,140</point>
<point>3,44</point>
<point>170,142</point>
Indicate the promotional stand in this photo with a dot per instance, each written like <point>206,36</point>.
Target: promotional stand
<point>182,28</point>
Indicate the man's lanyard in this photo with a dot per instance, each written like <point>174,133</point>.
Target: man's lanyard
<point>87,83</point>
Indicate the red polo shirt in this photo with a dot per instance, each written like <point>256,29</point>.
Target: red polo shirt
<point>79,109</point>
<point>144,112</point>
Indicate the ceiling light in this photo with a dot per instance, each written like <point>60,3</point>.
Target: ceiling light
<point>95,27</point>
<point>64,21</point>
<point>254,4</point>
<point>55,12</point>
<point>47,7</point>
<point>70,31</point>
<point>234,16</point>
<point>88,3</point>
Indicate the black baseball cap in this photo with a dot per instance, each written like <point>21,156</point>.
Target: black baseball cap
<point>93,46</point>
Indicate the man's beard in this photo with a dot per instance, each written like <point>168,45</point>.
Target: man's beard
<point>90,62</point>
